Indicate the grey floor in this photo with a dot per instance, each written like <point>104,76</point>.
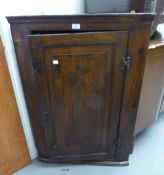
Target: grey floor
<point>147,159</point>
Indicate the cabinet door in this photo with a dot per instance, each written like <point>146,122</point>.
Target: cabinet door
<point>79,85</point>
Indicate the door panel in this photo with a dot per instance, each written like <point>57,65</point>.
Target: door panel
<point>81,76</point>
<point>78,98</point>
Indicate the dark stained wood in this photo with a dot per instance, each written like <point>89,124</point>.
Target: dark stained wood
<point>81,90</point>
<point>81,56</point>
<point>111,17</point>
<point>133,83</point>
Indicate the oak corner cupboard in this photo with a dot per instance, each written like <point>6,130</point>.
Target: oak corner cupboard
<point>82,76</point>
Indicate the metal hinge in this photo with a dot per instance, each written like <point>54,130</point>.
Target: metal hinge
<point>126,64</point>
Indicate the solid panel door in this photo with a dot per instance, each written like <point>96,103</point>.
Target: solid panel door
<point>79,80</point>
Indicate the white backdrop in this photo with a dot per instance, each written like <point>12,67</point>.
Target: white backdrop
<point>30,7</point>
<point>35,7</point>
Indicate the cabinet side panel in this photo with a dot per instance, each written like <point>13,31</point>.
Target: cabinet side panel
<point>137,50</point>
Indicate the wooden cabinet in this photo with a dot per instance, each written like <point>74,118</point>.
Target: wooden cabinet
<point>82,77</point>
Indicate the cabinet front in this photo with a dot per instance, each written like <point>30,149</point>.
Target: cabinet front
<point>79,84</point>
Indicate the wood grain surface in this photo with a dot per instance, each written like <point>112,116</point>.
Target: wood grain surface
<point>152,89</point>
<point>13,148</point>
<point>138,27</point>
<point>84,92</point>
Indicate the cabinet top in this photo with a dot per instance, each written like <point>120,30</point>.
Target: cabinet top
<point>106,17</point>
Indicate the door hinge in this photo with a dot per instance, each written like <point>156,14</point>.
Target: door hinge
<point>126,64</point>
